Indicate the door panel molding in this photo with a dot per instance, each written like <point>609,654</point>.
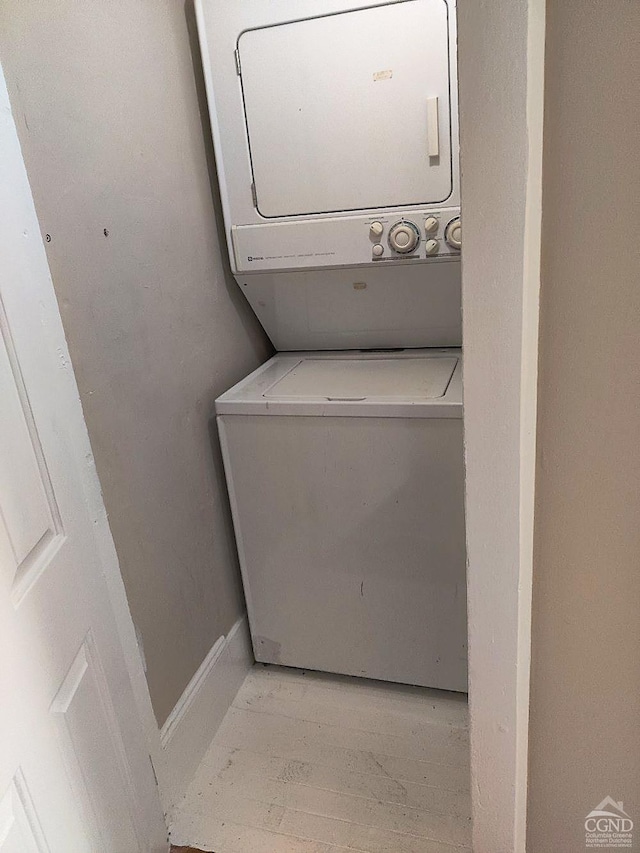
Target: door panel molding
<point>20,829</point>
<point>35,533</point>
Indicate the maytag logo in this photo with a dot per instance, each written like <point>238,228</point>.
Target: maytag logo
<point>251,258</point>
<point>608,825</point>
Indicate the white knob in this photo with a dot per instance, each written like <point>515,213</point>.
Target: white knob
<point>431,225</point>
<point>404,237</point>
<point>453,233</point>
<point>376,230</point>
<point>432,247</point>
<point>378,249</point>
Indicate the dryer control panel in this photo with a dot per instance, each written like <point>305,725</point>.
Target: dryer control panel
<point>428,235</point>
<point>435,234</point>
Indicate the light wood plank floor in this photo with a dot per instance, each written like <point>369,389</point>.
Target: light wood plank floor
<point>311,763</point>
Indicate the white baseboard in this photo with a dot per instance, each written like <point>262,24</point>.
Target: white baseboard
<point>190,727</point>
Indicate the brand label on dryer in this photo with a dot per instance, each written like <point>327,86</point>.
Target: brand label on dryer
<point>252,258</point>
<point>383,75</point>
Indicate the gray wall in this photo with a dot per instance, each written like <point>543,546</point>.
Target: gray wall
<point>585,698</point>
<point>109,115</point>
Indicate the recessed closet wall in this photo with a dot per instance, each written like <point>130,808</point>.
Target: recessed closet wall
<point>109,106</point>
<point>585,676</point>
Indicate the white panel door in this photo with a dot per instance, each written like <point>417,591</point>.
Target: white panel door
<point>350,111</point>
<point>75,776</point>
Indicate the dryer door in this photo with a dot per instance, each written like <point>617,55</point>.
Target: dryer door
<point>349,111</point>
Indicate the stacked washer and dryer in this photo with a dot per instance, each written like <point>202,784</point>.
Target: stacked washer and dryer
<point>335,131</point>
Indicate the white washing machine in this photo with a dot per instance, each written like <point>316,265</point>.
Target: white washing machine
<point>345,474</point>
<point>335,129</point>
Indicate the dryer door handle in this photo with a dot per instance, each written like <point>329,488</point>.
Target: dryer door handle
<point>433,129</point>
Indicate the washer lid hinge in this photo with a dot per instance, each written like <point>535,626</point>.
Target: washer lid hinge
<point>236,53</point>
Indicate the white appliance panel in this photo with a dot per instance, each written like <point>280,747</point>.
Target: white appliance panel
<point>382,306</point>
<point>338,242</point>
<point>359,379</point>
<point>258,393</point>
<point>349,518</point>
<point>349,111</point>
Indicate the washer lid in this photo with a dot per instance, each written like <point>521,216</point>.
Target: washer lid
<point>415,378</point>
<point>349,111</point>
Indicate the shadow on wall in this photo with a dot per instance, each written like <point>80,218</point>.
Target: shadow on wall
<point>225,505</point>
<point>196,59</point>
<point>233,290</point>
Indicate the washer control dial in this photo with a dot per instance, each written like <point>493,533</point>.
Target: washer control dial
<point>432,247</point>
<point>453,233</point>
<point>377,250</point>
<point>404,237</point>
<point>376,230</point>
<point>431,225</point>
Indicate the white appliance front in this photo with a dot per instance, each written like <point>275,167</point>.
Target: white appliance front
<point>336,138</point>
<point>358,307</point>
<point>345,474</point>
<point>340,95</point>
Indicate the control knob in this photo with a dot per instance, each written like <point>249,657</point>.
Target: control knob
<point>404,237</point>
<point>431,225</point>
<point>376,229</point>
<point>453,233</point>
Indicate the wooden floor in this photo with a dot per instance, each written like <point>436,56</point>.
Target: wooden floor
<point>312,763</point>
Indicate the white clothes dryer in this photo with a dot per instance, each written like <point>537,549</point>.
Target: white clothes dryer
<point>335,127</point>
<point>345,475</point>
